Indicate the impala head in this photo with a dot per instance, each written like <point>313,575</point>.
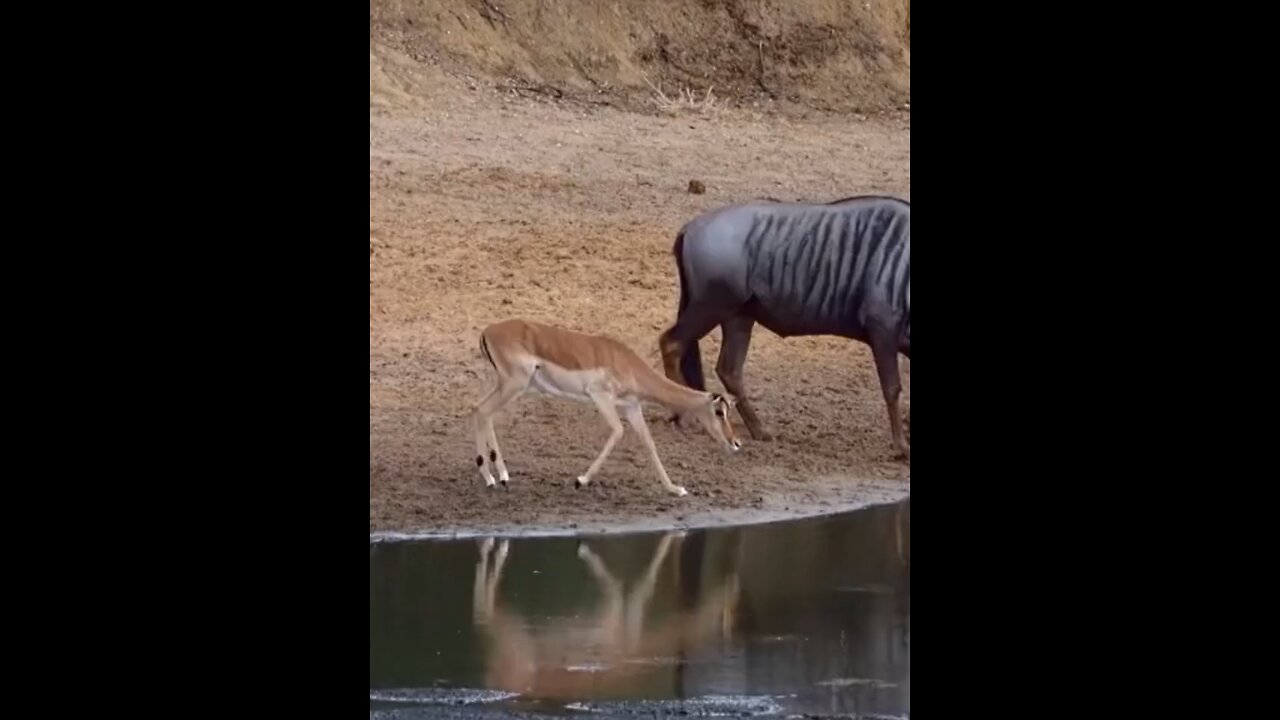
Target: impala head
<point>713,415</point>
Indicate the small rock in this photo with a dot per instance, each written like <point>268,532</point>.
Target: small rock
<point>696,187</point>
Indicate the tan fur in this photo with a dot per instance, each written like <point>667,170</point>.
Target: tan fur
<point>597,369</point>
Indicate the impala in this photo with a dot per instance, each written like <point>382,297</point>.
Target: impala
<point>595,369</point>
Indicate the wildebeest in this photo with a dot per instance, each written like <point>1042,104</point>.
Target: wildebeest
<point>841,269</point>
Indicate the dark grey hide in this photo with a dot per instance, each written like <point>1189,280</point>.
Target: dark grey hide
<point>839,269</point>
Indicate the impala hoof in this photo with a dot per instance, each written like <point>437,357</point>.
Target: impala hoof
<point>679,492</point>
<point>581,482</point>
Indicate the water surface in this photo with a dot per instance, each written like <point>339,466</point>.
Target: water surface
<point>809,616</point>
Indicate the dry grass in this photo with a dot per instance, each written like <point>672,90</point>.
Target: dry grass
<point>686,100</point>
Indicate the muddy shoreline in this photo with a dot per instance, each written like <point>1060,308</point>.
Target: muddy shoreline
<point>837,497</point>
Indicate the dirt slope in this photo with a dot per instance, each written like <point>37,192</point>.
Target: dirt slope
<point>843,55</point>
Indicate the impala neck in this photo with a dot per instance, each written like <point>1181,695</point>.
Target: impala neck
<point>654,386</point>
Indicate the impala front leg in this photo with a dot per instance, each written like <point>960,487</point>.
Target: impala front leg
<point>605,404</point>
<point>609,585</point>
<point>635,415</point>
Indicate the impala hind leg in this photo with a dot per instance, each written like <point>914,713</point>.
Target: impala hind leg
<point>736,339</point>
<point>481,611</point>
<point>482,423</point>
<point>604,402</point>
<point>485,590</point>
<point>477,426</point>
<point>495,454</point>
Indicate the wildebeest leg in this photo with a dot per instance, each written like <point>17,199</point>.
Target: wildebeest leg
<point>884,348</point>
<point>736,339</point>
<point>679,344</point>
<point>681,360</point>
